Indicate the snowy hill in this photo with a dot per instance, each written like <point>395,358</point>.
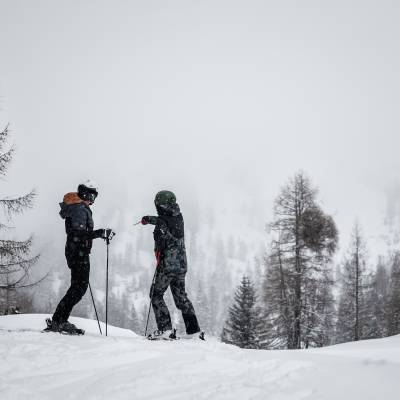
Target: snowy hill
<point>44,366</point>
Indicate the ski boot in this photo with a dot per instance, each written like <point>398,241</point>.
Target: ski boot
<point>195,335</point>
<point>163,335</point>
<point>51,326</point>
<point>70,329</point>
<point>65,328</point>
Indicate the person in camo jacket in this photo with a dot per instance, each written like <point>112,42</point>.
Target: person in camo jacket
<point>169,240</point>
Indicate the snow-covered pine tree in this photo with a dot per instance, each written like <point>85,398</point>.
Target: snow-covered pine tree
<point>319,327</point>
<point>243,327</point>
<point>304,240</point>
<point>15,259</point>
<point>215,307</point>
<point>354,284</point>
<point>201,306</point>
<point>393,305</point>
<point>376,303</point>
<point>277,299</point>
<point>128,317</point>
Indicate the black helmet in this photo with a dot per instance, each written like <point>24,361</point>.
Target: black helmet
<point>88,191</point>
<point>164,198</point>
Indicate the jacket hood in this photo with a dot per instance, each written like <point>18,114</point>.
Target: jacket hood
<point>72,198</point>
<point>69,200</point>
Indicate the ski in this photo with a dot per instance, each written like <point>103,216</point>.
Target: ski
<point>175,337</point>
<point>76,332</point>
<point>161,339</point>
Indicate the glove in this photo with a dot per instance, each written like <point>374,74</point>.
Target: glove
<point>145,220</point>
<point>107,234</point>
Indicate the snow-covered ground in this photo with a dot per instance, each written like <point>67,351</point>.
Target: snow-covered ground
<point>35,365</point>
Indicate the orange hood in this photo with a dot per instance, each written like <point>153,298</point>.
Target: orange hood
<point>72,198</point>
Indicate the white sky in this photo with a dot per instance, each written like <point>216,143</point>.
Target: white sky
<point>217,100</point>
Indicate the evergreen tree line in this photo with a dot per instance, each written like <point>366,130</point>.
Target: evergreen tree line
<point>300,302</point>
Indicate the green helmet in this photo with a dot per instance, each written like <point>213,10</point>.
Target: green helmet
<point>164,198</point>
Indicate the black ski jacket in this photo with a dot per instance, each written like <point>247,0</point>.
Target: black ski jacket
<point>78,225</point>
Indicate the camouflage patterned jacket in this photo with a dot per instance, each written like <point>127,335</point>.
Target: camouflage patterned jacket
<point>169,239</point>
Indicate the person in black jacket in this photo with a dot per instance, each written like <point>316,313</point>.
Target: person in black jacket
<point>75,210</point>
<point>170,252</point>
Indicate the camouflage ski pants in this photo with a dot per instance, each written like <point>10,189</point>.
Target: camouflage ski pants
<point>176,281</point>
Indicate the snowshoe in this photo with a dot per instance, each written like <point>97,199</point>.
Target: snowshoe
<point>65,328</point>
<point>163,335</point>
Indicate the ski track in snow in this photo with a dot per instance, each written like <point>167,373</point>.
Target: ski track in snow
<point>41,366</point>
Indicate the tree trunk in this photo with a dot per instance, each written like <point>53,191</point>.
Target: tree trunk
<point>298,294</point>
<point>356,326</point>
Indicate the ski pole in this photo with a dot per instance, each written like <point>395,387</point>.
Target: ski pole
<point>137,223</point>
<point>94,305</point>
<point>108,243</point>
<point>108,239</point>
<point>151,299</point>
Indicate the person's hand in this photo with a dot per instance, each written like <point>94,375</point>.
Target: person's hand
<point>107,234</point>
<point>145,220</point>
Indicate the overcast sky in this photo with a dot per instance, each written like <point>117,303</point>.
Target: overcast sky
<point>217,100</point>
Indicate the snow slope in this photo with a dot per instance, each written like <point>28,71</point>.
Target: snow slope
<point>44,366</point>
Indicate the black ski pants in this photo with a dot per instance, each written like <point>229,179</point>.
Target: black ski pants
<point>80,270</point>
<point>176,281</point>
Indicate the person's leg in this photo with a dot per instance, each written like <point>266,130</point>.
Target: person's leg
<point>183,303</point>
<point>161,313</point>
<point>80,270</point>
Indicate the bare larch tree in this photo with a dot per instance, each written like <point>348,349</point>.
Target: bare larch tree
<point>297,288</point>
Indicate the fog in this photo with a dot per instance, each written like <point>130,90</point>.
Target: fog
<point>220,101</point>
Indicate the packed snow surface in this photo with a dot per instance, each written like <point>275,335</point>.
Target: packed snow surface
<point>42,366</point>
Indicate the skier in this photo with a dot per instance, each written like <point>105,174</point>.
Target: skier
<point>75,210</point>
<point>171,267</point>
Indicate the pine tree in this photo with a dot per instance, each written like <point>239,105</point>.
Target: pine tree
<point>376,303</point>
<point>352,301</point>
<point>318,322</point>
<point>202,308</point>
<point>304,240</point>
<point>243,327</point>
<point>393,305</point>
<point>277,300</point>
<point>215,306</point>
<point>15,259</point>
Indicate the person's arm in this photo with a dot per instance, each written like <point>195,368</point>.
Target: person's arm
<point>97,234</point>
<point>149,219</point>
<point>79,220</point>
<point>162,236</point>
<point>102,233</point>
